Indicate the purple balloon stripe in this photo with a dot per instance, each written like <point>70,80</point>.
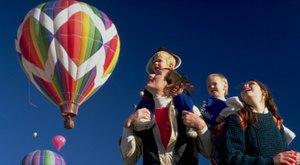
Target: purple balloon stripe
<point>27,159</point>
<point>36,157</point>
<point>59,160</point>
<point>107,22</point>
<point>58,79</point>
<point>48,8</point>
<point>89,78</point>
<point>62,88</point>
<point>56,159</point>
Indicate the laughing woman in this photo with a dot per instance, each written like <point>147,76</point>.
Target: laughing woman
<point>254,135</point>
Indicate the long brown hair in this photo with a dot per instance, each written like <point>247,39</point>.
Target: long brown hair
<point>249,116</point>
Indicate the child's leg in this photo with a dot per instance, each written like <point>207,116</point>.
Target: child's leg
<point>183,102</point>
<point>146,102</point>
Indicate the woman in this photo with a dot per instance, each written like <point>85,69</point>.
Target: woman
<point>254,135</point>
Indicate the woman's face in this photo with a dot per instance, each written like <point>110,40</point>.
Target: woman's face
<point>252,91</point>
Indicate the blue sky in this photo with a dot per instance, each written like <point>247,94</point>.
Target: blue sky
<point>241,39</point>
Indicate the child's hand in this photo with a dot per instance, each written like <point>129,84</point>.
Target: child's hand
<point>175,90</point>
<point>139,114</point>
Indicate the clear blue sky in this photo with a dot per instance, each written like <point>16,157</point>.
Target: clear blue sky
<point>242,39</point>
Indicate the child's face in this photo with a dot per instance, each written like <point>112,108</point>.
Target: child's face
<point>216,87</point>
<point>160,62</point>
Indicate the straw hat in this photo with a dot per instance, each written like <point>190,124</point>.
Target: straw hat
<point>177,59</point>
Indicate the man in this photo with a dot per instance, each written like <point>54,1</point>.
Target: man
<point>166,141</point>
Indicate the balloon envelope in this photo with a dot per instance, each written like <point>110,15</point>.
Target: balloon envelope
<point>68,49</point>
<point>43,157</point>
<point>58,141</point>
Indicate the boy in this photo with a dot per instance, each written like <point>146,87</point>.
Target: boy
<point>163,59</point>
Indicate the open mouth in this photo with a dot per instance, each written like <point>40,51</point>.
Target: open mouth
<point>213,91</point>
<point>247,89</point>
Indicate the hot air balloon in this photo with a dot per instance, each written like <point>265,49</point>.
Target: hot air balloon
<point>43,157</point>
<point>68,49</point>
<point>58,141</point>
<point>35,134</point>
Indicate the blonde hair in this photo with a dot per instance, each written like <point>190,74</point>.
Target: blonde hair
<point>222,77</point>
<point>170,59</point>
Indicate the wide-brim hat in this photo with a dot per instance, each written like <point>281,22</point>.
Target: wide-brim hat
<point>177,60</point>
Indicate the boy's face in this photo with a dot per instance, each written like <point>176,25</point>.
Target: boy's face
<point>160,62</point>
<point>216,87</point>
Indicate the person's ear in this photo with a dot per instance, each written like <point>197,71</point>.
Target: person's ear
<point>225,87</point>
<point>171,65</point>
<point>265,93</point>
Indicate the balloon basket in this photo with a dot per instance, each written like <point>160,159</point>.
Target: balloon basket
<point>69,124</point>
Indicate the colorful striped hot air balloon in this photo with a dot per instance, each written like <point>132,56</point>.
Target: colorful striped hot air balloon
<point>43,157</point>
<point>68,50</point>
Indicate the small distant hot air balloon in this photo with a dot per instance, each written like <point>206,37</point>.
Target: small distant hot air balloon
<point>58,141</point>
<point>68,50</point>
<point>35,134</point>
<point>43,157</point>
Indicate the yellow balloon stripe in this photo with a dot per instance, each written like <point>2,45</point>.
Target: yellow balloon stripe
<point>114,60</point>
<point>84,41</point>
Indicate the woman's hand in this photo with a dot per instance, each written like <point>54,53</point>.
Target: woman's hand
<point>139,114</point>
<point>287,158</point>
<point>297,157</point>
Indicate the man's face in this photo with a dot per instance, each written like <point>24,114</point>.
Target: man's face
<point>157,82</point>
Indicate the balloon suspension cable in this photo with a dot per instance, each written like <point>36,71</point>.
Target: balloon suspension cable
<point>29,96</point>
